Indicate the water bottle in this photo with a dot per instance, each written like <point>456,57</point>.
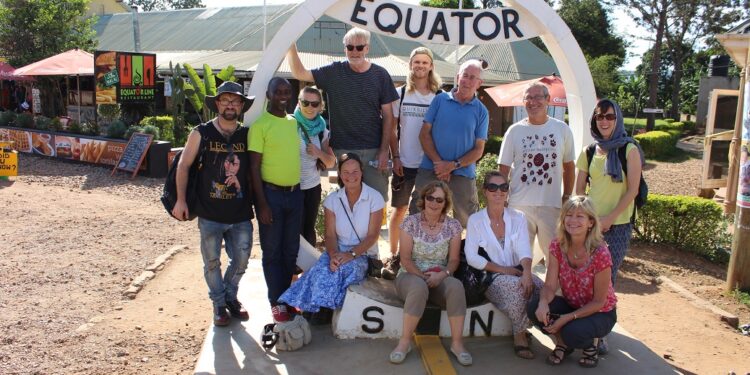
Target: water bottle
<point>375,163</point>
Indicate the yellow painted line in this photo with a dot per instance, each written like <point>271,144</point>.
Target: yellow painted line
<point>434,357</point>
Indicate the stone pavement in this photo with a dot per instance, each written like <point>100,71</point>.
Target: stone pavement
<point>236,349</point>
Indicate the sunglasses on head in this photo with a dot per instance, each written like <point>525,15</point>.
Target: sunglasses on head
<point>493,187</point>
<point>608,117</point>
<point>306,103</point>
<point>351,47</point>
<point>430,198</point>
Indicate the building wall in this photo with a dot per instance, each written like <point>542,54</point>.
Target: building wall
<point>101,7</point>
<point>704,89</point>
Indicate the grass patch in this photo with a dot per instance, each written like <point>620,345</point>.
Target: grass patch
<point>742,297</point>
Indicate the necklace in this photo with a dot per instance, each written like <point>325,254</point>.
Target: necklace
<point>575,254</point>
<point>227,134</point>
<point>430,225</point>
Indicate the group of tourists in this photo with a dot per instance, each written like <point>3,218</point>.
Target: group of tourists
<point>430,140</point>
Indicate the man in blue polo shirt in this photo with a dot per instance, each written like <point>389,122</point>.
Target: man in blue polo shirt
<point>453,137</point>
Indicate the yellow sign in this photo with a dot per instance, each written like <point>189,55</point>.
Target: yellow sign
<point>9,163</point>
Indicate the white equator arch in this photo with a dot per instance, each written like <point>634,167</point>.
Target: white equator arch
<point>541,20</point>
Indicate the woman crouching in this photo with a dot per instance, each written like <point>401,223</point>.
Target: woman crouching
<point>429,245</point>
<point>580,264</point>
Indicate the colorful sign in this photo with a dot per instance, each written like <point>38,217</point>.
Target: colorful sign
<point>123,77</point>
<point>95,151</point>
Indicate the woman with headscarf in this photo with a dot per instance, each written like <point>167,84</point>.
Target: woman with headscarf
<point>610,189</point>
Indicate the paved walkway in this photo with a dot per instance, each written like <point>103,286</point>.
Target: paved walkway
<point>236,349</point>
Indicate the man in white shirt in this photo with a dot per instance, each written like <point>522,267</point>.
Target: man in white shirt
<point>538,154</point>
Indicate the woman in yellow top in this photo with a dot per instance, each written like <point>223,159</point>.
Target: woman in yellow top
<point>611,191</point>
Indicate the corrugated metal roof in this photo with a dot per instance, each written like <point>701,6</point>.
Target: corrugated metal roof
<point>234,36</point>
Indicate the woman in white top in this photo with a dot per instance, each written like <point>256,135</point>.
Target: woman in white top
<point>503,234</point>
<point>353,216</point>
<point>315,155</point>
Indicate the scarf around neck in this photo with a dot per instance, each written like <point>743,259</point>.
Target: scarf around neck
<point>311,127</point>
<point>619,139</point>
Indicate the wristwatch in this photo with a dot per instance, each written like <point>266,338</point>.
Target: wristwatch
<point>456,164</point>
<point>354,254</point>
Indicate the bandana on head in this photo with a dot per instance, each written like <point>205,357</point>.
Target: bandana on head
<point>311,126</point>
<point>618,139</point>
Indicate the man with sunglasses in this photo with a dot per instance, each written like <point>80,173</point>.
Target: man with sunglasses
<point>453,137</point>
<point>359,96</point>
<point>223,197</point>
<point>538,154</point>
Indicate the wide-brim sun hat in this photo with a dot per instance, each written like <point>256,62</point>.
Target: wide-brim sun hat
<point>231,88</point>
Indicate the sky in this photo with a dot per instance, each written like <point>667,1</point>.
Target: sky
<point>623,26</point>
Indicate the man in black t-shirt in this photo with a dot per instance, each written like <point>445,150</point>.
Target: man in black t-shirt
<point>359,96</point>
<point>223,192</point>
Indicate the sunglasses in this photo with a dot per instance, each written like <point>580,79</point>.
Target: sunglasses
<point>350,47</point>
<point>608,117</point>
<point>430,198</point>
<point>493,187</point>
<point>306,103</point>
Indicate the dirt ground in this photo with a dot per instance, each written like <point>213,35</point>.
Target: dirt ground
<point>74,238</point>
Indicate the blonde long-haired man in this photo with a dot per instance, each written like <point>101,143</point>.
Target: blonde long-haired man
<point>421,86</point>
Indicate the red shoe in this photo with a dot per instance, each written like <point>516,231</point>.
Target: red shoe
<point>280,315</point>
<point>221,318</point>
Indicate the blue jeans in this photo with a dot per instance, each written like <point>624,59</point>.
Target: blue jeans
<point>280,240</point>
<point>237,241</point>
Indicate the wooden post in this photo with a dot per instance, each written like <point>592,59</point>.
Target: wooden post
<point>730,200</point>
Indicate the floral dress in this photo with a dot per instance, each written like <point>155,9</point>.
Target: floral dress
<point>430,250</point>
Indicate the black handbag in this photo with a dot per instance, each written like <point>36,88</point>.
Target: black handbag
<point>169,193</point>
<point>476,282</point>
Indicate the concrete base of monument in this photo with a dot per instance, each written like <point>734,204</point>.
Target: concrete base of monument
<point>236,349</point>
<point>373,310</point>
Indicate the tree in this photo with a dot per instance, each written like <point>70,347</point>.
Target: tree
<point>592,28</point>
<point>451,4</point>
<point>692,20</point>
<point>152,5</point>
<point>604,72</point>
<point>34,30</point>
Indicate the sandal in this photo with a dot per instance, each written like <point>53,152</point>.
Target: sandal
<point>589,357</point>
<point>523,351</point>
<point>558,355</point>
<point>398,357</point>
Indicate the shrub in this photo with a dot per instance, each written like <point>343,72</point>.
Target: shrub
<point>151,129</point>
<point>320,221</point>
<point>164,124</point>
<point>116,129</point>
<point>679,126</point>
<point>42,122</point>
<point>74,127</point>
<point>7,117</point>
<point>669,120</point>
<point>25,120</point>
<point>689,126</point>
<point>690,223</point>
<point>656,143</point>
<point>90,128</point>
<point>132,129</point>
<point>108,111</point>
<point>487,163</point>
<point>493,145</point>
<point>55,124</point>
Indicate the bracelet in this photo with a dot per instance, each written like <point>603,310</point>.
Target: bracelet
<point>575,316</point>
<point>448,272</point>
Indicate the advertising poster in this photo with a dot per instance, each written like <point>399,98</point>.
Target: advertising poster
<point>123,77</point>
<point>67,147</point>
<point>743,182</point>
<point>21,140</point>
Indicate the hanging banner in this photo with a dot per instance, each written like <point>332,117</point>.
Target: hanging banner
<point>124,77</point>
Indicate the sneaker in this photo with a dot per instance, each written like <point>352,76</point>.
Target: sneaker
<point>280,315</point>
<point>393,264</point>
<point>221,317</point>
<point>237,310</point>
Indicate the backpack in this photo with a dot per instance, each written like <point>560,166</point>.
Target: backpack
<point>642,196</point>
<point>400,102</point>
<point>169,193</point>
